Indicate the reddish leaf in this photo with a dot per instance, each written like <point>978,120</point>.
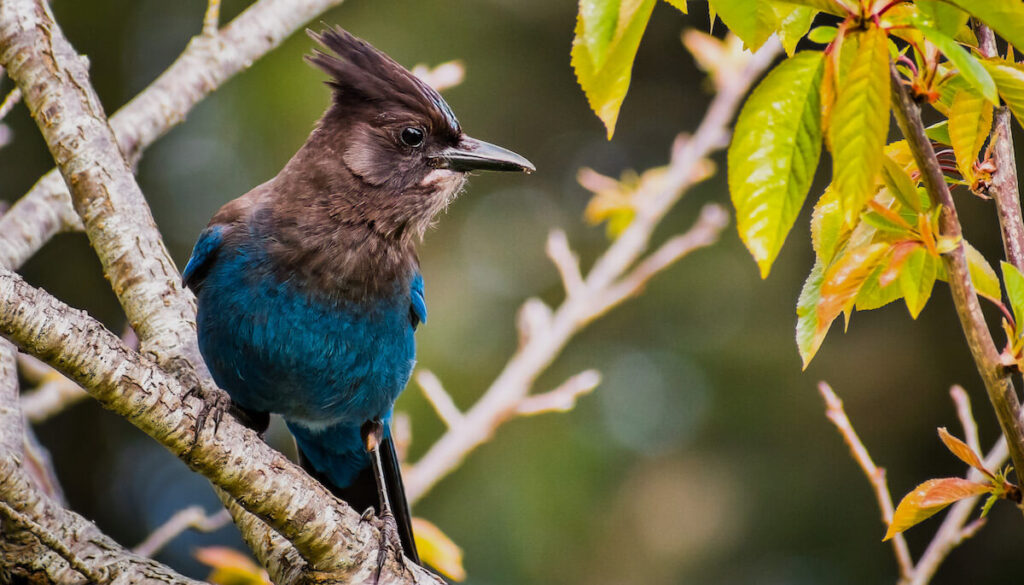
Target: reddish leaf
<point>930,498</point>
<point>963,452</point>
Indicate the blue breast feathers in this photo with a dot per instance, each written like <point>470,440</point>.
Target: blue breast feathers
<point>275,347</point>
<point>419,300</point>
<point>202,257</point>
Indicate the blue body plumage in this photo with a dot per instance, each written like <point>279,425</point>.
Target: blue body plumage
<point>308,287</point>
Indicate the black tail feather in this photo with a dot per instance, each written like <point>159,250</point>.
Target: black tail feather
<point>362,493</point>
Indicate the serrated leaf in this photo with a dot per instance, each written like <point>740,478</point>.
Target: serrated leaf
<point>599,18</point>
<point>773,154</point>
<point>970,68</point>
<point>970,119</point>
<point>836,7</point>
<point>948,90</point>
<point>1005,17</point>
<point>859,122</point>
<point>873,294</point>
<point>438,550</point>
<point>680,4</point>
<point>828,230</point>
<point>945,17</point>
<point>963,452</point>
<point>823,35</point>
<point>984,278</point>
<point>900,185</point>
<point>751,20</point>
<point>917,278</point>
<point>606,87</point>
<point>809,333</point>
<point>883,223</point>
<point>930,498</point>
<point>793,23</point>
<point>1009,78</point>
<point>1014,282</point>
<point>844,278</point>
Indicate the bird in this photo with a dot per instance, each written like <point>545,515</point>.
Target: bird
<point>308,287</point>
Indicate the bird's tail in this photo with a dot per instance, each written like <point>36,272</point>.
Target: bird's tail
<point>337,459</point>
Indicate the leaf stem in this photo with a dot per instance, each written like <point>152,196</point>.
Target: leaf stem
<point>998,382</point>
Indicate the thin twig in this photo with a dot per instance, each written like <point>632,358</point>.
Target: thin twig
<point>439,398</point>
<point>563,398</point>
<point>9,102</point>
<point>876,475</point>
<point>193,517</point>
<point>211,19</point>
<point>966,416</point>
<point>565,261</point>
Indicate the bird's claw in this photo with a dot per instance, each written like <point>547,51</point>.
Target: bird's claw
<point>215,402</point>
<point>389,541</point>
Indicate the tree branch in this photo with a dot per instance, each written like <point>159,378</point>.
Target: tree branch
<point>998,382</point>
<point>204,66</point>
<point>191,518</point>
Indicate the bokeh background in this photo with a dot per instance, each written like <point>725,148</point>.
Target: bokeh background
<point>704,457</point>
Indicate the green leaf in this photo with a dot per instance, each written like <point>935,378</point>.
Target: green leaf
<point>809,334</point>
<point>599,18</point>
<point>970,68</point>
<point>947,18</point>
<point>970,119</point>
<point>794,22</point>
<point>827,232</point>
<point>917,278</point>
<point>823,35</point>
<point>606,86</point>
<point>836,7</point>
<point>774,152</point>
<point>872,295</point>
<point>680,4</point>
<point>859,121</point>
<point>1005,17</point>
<point>880,222</point>
<point>900,185</point>
<point>1009,78</point>
<point>753,21</point>
<point>845,277</point>
<point>939,132</point>
<point>1014,282</point>
<point>986,283</point>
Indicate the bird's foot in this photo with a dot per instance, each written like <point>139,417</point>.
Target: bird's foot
<point>389,542</point>
<point>214,403</point>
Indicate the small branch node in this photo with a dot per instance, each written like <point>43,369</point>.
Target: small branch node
<point>211,19</point>
<point>533,320</point>
<point>567,263</point>
<point>563,398</point>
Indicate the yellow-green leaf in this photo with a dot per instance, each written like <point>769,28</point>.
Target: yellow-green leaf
<point>828,232</point>
<point>859,122</point>
<point>751,20</point>
<point>774,152</point>
<point>1005,17</point>
<point>932,497</point>
<point>970,68</point>
<point>680,4</point>
<point>823,35</point>
<point>599,18</point>
<point>1014,282</point>
<point>984,278</point>
<point>917,278</point>
<point>809,333</point>
<point>939,132</point>
<point>1009,78</point>
<point>970,119</point>
<point>844,278</point>
<point>836,7</point>
<point>873,294</point>
<point>231,567</point>
<point>794,22</point>
<point>438,550</point>
<point>606,86</point>
<point>900,185</point>
<point>947,18</point>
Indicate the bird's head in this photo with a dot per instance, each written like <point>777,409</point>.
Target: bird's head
<point>396,135</point>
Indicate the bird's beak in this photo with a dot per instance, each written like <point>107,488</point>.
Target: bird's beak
<point>476,155</point>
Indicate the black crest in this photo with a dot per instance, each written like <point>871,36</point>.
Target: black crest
<point>361,74</point>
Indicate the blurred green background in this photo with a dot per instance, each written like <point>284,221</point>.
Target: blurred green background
<point>704,457</point>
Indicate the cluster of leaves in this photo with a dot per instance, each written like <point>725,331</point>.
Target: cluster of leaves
<point>934,495</point>
<point>875,230</point>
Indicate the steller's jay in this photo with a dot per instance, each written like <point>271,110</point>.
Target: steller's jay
<point>309,288</point>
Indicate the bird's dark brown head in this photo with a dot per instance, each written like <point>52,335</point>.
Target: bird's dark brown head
<point>395,135</point>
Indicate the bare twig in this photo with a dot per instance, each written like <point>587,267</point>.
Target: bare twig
<point>998,383</point>
<point>563,398</point>
<point>963,412</point>
<point>211,19</point>
<point>543,333</point>
<point>565,261</point>
<point>9,102</point>
<point>443,76</point>
<point>876,475</point>
<point>193,517</point>
<point>439,398</point>
<point>52,396</point>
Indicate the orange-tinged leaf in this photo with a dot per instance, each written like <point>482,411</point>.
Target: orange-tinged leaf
<point>231,567</point>
<point>809,334</point>
<point>438,550</point>
<point>931,497</point>
<point>859,121</point>
<point>963,451</point>
<point>970,119</point>
<point>844,278</point>
<point>828,232</point>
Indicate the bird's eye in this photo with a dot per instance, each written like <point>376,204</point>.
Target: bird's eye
<point>412,136</point>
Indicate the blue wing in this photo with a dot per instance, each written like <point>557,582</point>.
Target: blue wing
<point>203,253</point>
<point>418,307</point>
